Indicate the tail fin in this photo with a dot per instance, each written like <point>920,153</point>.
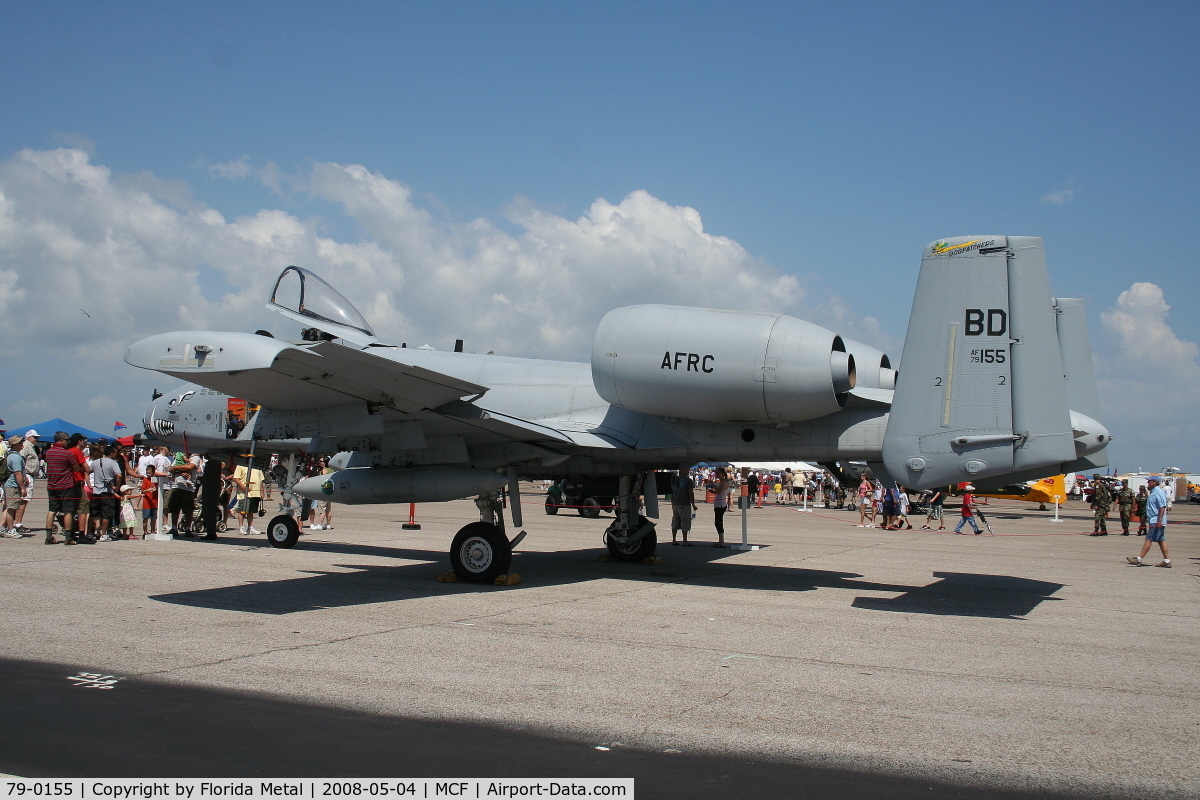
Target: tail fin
<point>982,390</point>
<point>1081,378</point>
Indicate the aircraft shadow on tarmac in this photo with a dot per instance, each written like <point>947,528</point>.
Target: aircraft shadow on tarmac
<point>952,594</point>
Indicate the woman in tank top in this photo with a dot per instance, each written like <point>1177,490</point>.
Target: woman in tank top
<point>721,505</point>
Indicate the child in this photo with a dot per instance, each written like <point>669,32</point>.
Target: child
<point>149,497</point>
<point>127,515</point>
<point>968,506</point>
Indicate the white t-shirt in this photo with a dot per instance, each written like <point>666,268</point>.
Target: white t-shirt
<point>145,461</point>
<point>162,465</point>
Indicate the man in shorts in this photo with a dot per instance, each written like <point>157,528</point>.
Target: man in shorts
<point>249,483</point>
<point>1156,514</point>
<point>182,499</point>
<point>683,503</point>
<point>65,473</point>
<point>934,510</point>
<point>14,488</point>
<point>33,464</point>
<point>106,484</point>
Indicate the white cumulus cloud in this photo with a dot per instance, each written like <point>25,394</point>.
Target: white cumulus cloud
<point>91,261</point>
<point>1149,383</point>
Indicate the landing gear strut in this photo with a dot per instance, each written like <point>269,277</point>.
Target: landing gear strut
<point>631,536</point>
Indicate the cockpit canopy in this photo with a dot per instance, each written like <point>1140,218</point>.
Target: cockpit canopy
<point>302,295</point>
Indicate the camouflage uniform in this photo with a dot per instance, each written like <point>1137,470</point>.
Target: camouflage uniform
<point>1101,501</point>
<point>1125,500</point>
<point>1141,510</point>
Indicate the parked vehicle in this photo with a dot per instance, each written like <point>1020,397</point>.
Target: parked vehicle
<point>588,496</point>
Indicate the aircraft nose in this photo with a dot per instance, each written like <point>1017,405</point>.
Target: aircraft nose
<point>155,422</point>
<point>1090,435</point>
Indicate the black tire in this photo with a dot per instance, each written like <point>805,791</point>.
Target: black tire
<point>480,553</point>
<point>590,508</point>
<point>283,531</point>
<point>551,506</point>
<point>639,550</point>
<point>221,526</point>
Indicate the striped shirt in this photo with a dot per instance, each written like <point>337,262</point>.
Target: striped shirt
<point>60,467</point>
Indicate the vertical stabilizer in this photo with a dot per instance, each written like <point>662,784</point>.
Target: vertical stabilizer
<point>1041,414</point>
<point>1082,396</point>
<point>981,390</point>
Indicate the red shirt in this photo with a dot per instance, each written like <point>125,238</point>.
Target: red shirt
<point>149,494</point>
<point>61,465</point>
<point>967,501</point>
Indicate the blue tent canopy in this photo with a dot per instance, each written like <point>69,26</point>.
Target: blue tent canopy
<point>47,429</point>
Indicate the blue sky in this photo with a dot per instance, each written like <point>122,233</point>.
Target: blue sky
<point>829,142</point>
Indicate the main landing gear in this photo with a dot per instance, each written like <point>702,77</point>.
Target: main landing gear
<point>631,536</point>
<point>481,552</point>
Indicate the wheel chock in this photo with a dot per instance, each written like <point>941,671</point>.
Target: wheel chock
<point>511,579</point>
<point>448,577</point>
<point>652,560</point>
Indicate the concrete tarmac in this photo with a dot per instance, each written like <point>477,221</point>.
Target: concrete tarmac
<point>836,661</point>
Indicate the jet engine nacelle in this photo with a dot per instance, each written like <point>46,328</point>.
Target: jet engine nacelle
<point>400,485</point>
<point>720,366</point>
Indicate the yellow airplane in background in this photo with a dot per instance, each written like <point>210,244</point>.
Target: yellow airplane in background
<point>1046,490</point>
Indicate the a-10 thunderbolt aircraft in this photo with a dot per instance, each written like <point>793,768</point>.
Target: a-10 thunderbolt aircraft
<point>996,387</point>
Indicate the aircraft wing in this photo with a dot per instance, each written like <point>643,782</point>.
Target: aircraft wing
<point>291,377</point>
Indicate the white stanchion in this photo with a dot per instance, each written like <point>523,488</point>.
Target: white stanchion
<point>744,502</point>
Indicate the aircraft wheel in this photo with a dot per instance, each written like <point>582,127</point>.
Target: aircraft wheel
<point>551,506</point>
<point>590,508</point>
<point>632,552</point>
<point>283,531</point>
<point>480,552</point>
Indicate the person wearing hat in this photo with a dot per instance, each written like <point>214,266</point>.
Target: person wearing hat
<point>1140,500</point>
<point>14,487</point>
<point>1101,502</point>
<point>1125,501</point>
<point>968,507</point>
<point>1156,515</point>
<point>33,465</point>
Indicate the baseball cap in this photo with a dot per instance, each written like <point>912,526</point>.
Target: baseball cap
<point>15,439</point>
<point>32,434</point>
<point>1154,478</point>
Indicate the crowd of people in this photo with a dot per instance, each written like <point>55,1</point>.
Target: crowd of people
<point>102,491</point>
<point>894,508</point>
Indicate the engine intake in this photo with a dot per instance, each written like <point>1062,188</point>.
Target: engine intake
<point>720,366</point>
